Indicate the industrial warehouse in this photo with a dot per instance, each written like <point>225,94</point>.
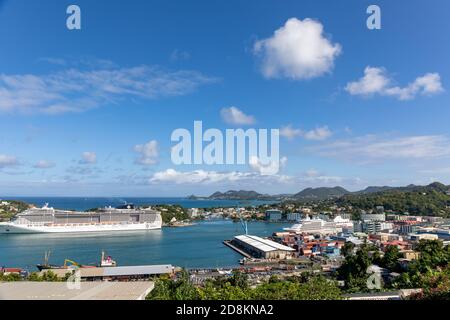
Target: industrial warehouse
<point>100,290</point>
<point>258,247</point>
<point>125,273</point>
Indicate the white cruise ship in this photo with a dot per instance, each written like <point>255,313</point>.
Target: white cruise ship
<point>49,220</point>
<point>319,226</point>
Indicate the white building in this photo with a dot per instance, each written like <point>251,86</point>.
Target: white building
<point>373,217</point>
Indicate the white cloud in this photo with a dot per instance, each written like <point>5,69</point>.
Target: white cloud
<point>212,177</point>
<point>88,158</point>
<point>314,177</point>
<point>298,50</point>
<point>8,161</point>
<point>371,147</point>
<point>234,116</point>
<point>44,164</point>
<point>75,90</point>
<point>318,134</point>
<point>265,169</point>
<point>179,55</point>
<point>376,81</point>
<point>85,171</point>
<point>321,133</point>
<point>148,153</point>
<point>290,133</point>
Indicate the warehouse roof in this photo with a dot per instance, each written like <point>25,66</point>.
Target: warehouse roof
<point>263,244</point>
<point>136,290</point>
<point>116,271</point>
<point>137,270</point>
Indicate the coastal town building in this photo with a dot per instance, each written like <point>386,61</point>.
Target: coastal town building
<point>258,247</point>
<point>294,216</point>
<point>373,217</point>
<point>274,215</point>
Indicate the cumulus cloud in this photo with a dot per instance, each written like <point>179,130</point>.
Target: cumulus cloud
<point>250,180</point>
<point>270,168</point>
<point>290,133</point>
<point>148,153</point>
<point>376,81</point>
<point>372,147</point>
<point>76,90</point>
<point>318,134</point>
<point>88,158</point>
<point>44,164</point>
<point>212,177</point>
<point>298,50</point>
<point>8,161</point>
<point>234,116</point>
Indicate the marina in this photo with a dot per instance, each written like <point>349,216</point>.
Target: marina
<point>197,246</point>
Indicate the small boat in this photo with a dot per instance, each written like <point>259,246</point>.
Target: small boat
<point>46,265</point>
<point>107,261</point>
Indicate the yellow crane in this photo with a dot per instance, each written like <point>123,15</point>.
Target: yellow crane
<point>71,262</point>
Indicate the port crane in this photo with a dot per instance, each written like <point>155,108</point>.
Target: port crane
<point>243,222</point>
<point>73,263</point>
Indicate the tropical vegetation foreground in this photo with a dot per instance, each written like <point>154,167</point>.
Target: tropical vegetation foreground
<point>430,274</point>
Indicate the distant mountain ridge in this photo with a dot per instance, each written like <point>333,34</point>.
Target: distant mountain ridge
<point>236,195</point>
<point>321,193</point>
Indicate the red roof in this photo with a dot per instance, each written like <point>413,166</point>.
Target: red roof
<point>12,270</point>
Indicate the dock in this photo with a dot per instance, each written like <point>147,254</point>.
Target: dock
<point>229,244</point>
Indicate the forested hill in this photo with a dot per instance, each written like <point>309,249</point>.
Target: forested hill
<point>9,209</point>
<point>433,199</point>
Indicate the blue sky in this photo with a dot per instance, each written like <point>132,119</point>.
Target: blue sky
<point>90,112</point>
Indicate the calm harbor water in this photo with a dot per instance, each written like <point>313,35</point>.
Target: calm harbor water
<point>197,246</point>
<point>80,203</point>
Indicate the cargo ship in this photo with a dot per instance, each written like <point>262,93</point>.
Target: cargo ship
<point>108,219</point>
<point>105,261</point>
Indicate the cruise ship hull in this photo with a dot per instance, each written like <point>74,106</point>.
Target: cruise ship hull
<point>11,228</point>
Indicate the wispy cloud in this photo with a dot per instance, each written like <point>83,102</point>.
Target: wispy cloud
<point>8,161</point>
<point>317,134</point>
<point>44,164</point>
<point>88,158</point>
<point>148,153</point>
<point>290,133</point>
<point>179,55</point>
<point>76,172</point>
<point>376,81</point>
<point>375,148</point>
<point>75,90</point>
<point>54,61</point>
